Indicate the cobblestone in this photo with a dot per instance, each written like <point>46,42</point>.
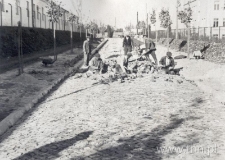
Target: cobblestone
<point>118,121</point>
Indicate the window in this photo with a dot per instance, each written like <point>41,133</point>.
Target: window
<point>216,22</point>
<point>27,9</point>
<point>216,5</point>
<point>224,22</point>
<point>223,36</point>
<point>224,5</point>
<point>215,35</point>
<point>37,12</point>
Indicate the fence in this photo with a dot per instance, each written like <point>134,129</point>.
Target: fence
<point>216,34</point>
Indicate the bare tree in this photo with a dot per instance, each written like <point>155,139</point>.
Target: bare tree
<point>54,12</point>
<point>186,17</point>
<point>72,19</point>
<point>166,22</point>
<point>102,29</point>
<point>141,25</point>
<point>153,22</point>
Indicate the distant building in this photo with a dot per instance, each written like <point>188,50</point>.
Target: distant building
<point>33,14</point>
<point>209,14</point>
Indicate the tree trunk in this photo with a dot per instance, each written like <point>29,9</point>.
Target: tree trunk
<point>55,55</point>
<point>188,41</point>
<point>168,43</point>
<point>71,38</point>
<point>19,48</point>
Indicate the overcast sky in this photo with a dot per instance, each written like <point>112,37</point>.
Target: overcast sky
<point>124,11</point>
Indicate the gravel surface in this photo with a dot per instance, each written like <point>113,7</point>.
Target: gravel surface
<point>153,117</point>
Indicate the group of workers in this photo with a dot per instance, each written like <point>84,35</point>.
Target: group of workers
<point>96,64</point>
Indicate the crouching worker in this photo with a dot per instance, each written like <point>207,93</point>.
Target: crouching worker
<point>167,63</point>
<point>124,61</point>
<point>96,65</point>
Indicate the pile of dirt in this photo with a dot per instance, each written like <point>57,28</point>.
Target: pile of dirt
<point>27,79</point>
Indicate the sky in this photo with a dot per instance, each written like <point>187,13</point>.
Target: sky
<point>120,12</point>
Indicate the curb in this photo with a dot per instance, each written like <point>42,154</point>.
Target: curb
<point>12,118</point>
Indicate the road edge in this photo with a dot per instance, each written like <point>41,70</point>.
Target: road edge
<point>12,118</point>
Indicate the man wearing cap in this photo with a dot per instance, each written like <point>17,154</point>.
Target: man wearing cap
<point>96,64</point>
<point>127,44</point>
<point>167,63</point>
<point>87,51</point>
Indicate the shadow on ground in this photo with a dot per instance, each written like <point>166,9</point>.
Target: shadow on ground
<point>138,147</point>
<point>51,151</point>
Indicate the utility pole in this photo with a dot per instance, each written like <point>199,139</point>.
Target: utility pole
<point>147,25</point>
<point>32,12</point>
<point>146,21</point>
<point>137,23</point>
<point>177,20</point>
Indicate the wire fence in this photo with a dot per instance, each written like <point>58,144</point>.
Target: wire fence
<point>215,34</point>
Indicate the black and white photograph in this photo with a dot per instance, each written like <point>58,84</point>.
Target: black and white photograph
<point>112,79</point>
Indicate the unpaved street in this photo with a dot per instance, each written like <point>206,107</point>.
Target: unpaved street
<point>138,119</point>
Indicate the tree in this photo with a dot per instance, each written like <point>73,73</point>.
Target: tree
<point>110,31</point>
<point>54,12</point>
<point>141,25</point>
<point>186,18</point>
<point>102,29</point>
<point>165,22</point>
<point>128,28</point>
<point>72,18</point>
<point>153,22</point>
<point>93,28</point>
<point>79,13</point>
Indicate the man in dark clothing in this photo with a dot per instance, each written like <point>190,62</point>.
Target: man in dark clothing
<point>127,44</point>
<point>87,51</point>
<point>167,63</point>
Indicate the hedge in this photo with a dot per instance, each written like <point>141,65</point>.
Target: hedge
<point>33,39</point>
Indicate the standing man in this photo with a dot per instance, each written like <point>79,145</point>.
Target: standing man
<point>127,44</point>
<point>150,50</point>
<point>87,51</point>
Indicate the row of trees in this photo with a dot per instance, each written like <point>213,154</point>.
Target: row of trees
<point>185,16</point>
<point>54,12</point>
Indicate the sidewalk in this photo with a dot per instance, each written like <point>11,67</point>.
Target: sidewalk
<point>7,64</point>
<point>17,92</point>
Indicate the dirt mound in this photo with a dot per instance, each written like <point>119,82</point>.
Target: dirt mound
<point>27,79</point>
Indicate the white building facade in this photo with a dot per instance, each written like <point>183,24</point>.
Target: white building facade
<point>208,17</point>
<point>32,13</point>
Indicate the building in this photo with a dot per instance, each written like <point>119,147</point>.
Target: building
<point>208,16</point>
<point>32,13</point>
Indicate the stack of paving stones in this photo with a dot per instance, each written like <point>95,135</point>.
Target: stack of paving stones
<point>215,53</point>
<point>176,44</point>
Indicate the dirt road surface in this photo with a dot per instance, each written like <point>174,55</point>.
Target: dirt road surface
<point>154,117</point>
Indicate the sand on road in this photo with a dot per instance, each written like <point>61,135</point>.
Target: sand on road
<point>138,119</point>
